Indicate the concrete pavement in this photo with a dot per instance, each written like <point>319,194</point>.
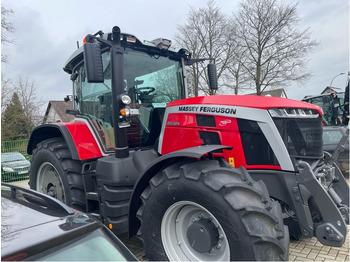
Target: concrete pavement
<point>308,249</point>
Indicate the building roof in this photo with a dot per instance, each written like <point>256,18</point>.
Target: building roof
<point>275,92</point>
<point>59,108</point>
<point>329,89</point>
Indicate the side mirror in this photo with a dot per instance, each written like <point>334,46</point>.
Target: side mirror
<point>93,63</point>
<point>213,78</point>
<point>67,98</point>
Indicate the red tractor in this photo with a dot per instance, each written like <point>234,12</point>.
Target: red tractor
<point>204,178</point>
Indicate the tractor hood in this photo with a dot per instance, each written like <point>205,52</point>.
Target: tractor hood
<point>251,101</point>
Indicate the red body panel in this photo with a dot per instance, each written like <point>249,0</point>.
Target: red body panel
<point>259,102</point>
<point>84,141</point>
<point>181,130</point>
<point>187,130</point>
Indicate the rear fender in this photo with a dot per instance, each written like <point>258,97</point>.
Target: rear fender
<point>157,165</point>
<point>79,138</point>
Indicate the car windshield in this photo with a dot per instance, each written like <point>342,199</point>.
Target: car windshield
<point>332,137</point>
<point>10,157</point>
<point>93,247</point>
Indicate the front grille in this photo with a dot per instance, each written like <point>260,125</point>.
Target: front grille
<point>257,150</point>
<point>301,136</point>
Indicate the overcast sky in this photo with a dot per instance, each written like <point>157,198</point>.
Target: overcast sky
<point>47,31</point>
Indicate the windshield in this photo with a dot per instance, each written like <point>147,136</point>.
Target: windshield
<point>150,81</point>
<point>9,157</point>
<point>332,137</point>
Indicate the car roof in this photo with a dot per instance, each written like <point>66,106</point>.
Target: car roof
<point>27,216</point>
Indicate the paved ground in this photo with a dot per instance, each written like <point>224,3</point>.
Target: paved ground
<point>312,250</point>
<point>303,250</point>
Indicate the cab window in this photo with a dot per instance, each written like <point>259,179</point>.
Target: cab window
<point>150,81</point>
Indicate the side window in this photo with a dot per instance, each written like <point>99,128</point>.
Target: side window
<point>256,148</point>
<point>94,99</point>
<point>94,102</point>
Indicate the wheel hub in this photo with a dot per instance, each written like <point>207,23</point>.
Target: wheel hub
<point>49,181</point>
<point>51,190</point>
<point>202,235</point>
<point>191,233</point>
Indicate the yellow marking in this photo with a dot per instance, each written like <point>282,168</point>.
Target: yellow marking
<point>231,161</point>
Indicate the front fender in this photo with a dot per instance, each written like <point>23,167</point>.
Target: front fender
<point>157,165</point>
<point>77,135</point>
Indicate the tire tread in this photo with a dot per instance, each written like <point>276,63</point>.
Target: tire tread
<point>235,186</point>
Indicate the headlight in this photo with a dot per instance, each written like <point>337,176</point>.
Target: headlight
<point>7,169</point>
<point>124,99</point>
<point>293,112</point>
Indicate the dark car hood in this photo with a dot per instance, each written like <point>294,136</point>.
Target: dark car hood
<point>23,226</point>
<point>16,217</point>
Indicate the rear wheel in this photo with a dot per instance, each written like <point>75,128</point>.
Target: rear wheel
<point>206,210</point>
<point>53,172</point>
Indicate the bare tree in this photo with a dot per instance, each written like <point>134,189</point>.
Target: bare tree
<point>6,91</point>
<point>275,51</point>
<point>204,35</point>
<point>6,83</point>
<point>186,38</point>
<point>6,27</point>
<point>235,74</point>
<point>28,96</point>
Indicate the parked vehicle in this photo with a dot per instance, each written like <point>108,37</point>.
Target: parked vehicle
<point>14,166</point>
<point>335,120</point>
<point>334,104</point>
<point>332,136</point>
<point>35,226</point>
<point>203,178</point>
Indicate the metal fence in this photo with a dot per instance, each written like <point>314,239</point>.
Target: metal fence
<point>15,162</point>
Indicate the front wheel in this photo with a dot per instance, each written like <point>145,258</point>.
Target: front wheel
<point>208,211</point>
<point>190,231</point>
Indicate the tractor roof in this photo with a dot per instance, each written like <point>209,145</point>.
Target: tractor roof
<point>159,46</point>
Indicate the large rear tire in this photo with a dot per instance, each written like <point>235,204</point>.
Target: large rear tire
<point>53,172</point>
<point>206,210</point>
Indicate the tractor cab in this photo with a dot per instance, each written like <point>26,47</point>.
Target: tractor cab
<point>151,77</point>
